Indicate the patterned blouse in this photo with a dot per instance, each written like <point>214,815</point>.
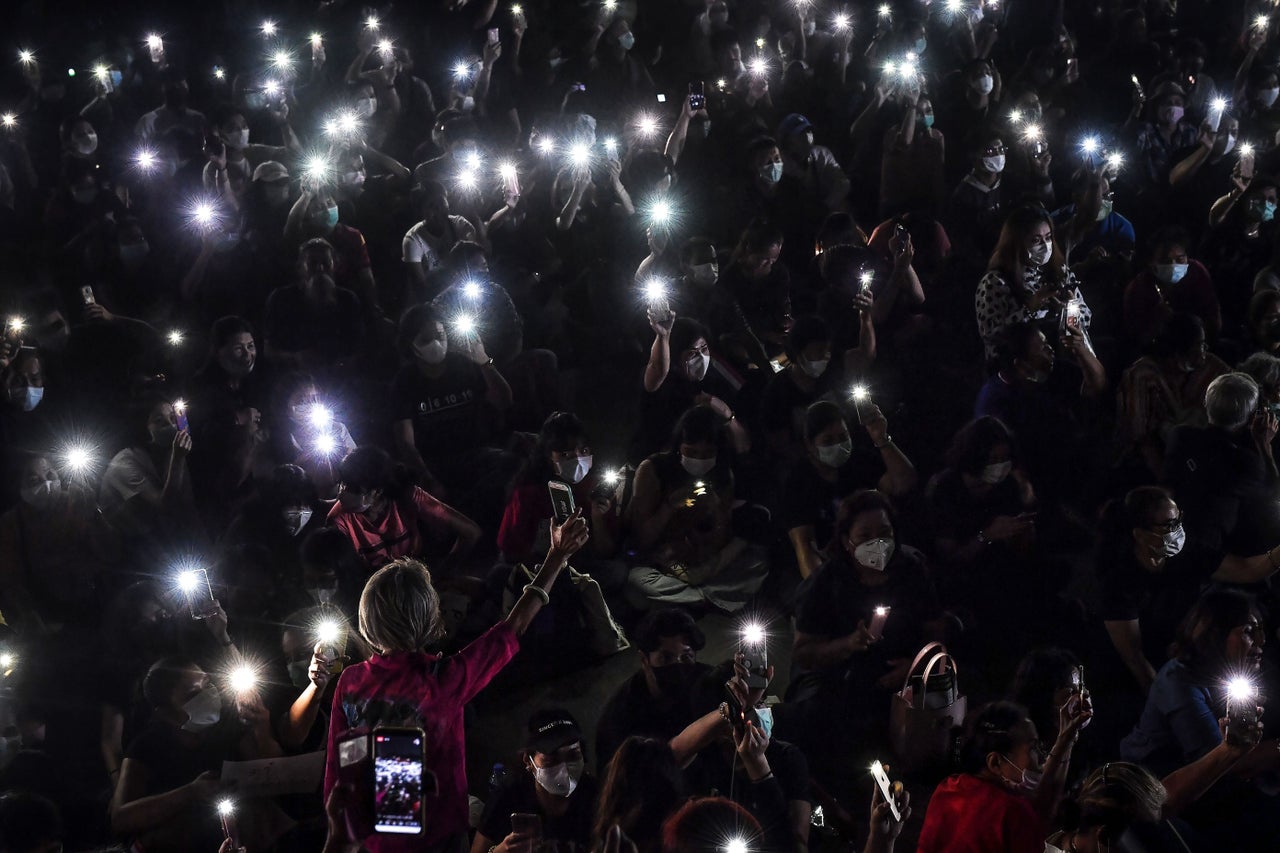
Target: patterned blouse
<point>997,307</point>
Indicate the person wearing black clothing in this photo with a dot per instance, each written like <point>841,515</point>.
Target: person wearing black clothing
<point>553,786</point>
<point>315,324</point>
<point>655,701</point>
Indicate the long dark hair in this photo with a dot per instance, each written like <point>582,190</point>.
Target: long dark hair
<point>367,468</point>
<point>1201,642</point>
<point>642,786</point>
<point>1041,673</point>
<point>559,430</point>
<point>1009,256</point>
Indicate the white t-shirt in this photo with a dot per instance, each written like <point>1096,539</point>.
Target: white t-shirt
<point>420,247</point>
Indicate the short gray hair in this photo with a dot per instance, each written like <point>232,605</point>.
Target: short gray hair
<point>400,609</point>
<point>1230,400</point>
<point>1264,368</point>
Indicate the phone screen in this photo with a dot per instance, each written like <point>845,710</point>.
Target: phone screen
<point>398,773</point>
<point>524,823</point>
<point>697,95</point>
<point>561,501</point>
<point>199,594</point>
<point>493,35</point>
<point>662,99</point>
<point>886,790</point>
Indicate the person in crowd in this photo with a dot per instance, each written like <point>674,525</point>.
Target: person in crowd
<point>642,787</point>
<point>387,517</point>
<point>553,785</point>
<point>1006,792</point>
<point>680,517</point>
<point>1172,283</point>
<point>315,324</point>
<point>1221,638</point>
<point>654,702</point>
<point>400,619</point>
<point>306,431</point>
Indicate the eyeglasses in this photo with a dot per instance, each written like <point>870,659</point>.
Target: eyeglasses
<point>995,151</point>
<point>1168,526</point>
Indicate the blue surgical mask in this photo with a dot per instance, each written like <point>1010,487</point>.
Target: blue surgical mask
<point>1268,211</point>
<point>920,45</point>
<point>627,41</point>
<point>29,398</point>
<point>331,215</point>
<point>773,173</point>
<point>927,120</point>
<point>765,715</point>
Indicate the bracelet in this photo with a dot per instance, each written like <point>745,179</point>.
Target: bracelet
<point>539,592</point>
<point>764,778</point>
<point>724,712</point>
<point>888,440</point>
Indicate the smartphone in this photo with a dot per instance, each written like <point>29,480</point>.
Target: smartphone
<point>662,99</point>
<point>200,600</point>
<point>697,95</point>
<point>1073,66</point>
<point>562,505</point>
<point>493,35</point>
<point>862,404</point>
<point>1071,315</point>
<point>86,295</point>
<point>1246,164</point>
<point>524,823</point>
<point>180,413</point>
<point>878,617</point>
<point>1083,690</point>
<point>1133,78</point>
<point>755,657</point>
<point>886,789</point>
<point>399,765</point>
<point>1242,718</point>
<point>230,830</point>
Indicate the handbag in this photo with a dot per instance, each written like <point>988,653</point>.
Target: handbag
<point>927,710</point>
<point>605,635</point>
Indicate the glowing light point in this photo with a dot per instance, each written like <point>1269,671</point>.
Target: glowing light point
<point>1115,159</point>
<point>465,324</point>
<point>661,212</point>
<point>579,155</point>
<point>188,581</point>
<point>175,338</point>
<point>611,478</point>
<point>78,459</point>
<point>9,120</point>
<point>268,28</point>
<point>320,416</point>
<point>1261,22</point>
<point>885,11</point>
<point>655,290</point>
<point>471,290</point>
<point>753,634</point>
<point>546,145</point>
<point>860,392</point>
<point>7,660</point>
<point>154,42</point>
<point>882,611</point>
<point>842,22</point>
<point>243,679</point>
<point>1246,149</point>
<point>517,9</point>
<point>317,40</point>
<point>219,74</point>
<point>760,44</point>
<point>281,59</point>
<point>461,70</point>
<point>1091,145</point>
<point>326,444</point>
<point>1240,689</point>
<point>759,66</point>
<point>385,46</point>
<point>328,632</point>
<point>372,22</point>
<point>736,845</point>
<point>26,57</point>
<point>473,160</point>
<point>226,808</point>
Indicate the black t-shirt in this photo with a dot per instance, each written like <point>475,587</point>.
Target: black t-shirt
<point>571,831</point>
<point>449,412</point>
<point>956,513</point>
<point>783,403</point>
<point>809,499</point>
<point>1160,599</point>
<point>632,710</point>
<point>660,410</point>
<point>293,323</point>
<point>837,600</point>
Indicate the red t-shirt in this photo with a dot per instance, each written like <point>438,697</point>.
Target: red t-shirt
<point>971,815</point>
<point>400,689</point>
<point>528,511</point>
<point>398,534</point>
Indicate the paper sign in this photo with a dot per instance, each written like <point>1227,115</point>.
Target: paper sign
<point>268,777</point>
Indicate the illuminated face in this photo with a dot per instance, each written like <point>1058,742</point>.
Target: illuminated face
<point>26,374</point>
<point>831,435</point>
<point>1245,643</point>
<point>759,264</point>
<point>670,650</point>
<point>1037,237</point>
<point>237,355</point>
<point>191,681</point>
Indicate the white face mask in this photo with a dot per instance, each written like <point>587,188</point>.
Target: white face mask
<point>1173,115</point>
<point>696,367</point>
<point>85,145</point>
<point>814,369</point>
<point>984,84</point>
<point>697,467</point>
<point>204,710</point>
<point>561,780</point>
<point>875,554</point>
<point>238,139</point>
<point>994,165</point>
<point>835,455</point>
<point>1231,144</point>
<point>1174,540</point>
<point>1268,96</point>
<point>573,470</point>
<point>296,518</point>
<point>1040,254</point>
<point>432,353</point>
<point>995,473</point>
<point>41,494</point>
<point>1171,273</point>
<point>810,27</point>
<point>366,107</point>
<point>322,595</point>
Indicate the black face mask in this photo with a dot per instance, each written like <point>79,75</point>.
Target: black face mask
<point>675,680</point>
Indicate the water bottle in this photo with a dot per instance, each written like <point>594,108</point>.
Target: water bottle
<point>496,779</point>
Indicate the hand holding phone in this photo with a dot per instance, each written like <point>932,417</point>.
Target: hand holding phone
<point>697,96</point>
<point>527,825</point>
<point>878,617</point>
<point>886,789</point>
<point>562,504</point>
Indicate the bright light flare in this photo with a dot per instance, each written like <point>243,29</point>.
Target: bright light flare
<point>611,478</point>
<point>1033,133</point>
<point>860,393</point>
<point>268,28</point>
<point>507,171</point>
<point>461,70</point>
<point>517,9</point>
<point>660,213</point>
<point>385,47</point>
<point>154,42</point>
<point>955,7</point>
<point>1246,149</point>
<point>1218,105</point>
<point>317,169</point>
<point>884,11</point>
<point>26,57</point>
<point>1240,689</point>
<point>320,416</point>
<point>317,40</point>
<point>1261,22</point>
<point>329,632</point>
<point>655,290</point>
<point>760,42</point>
<point>17,324</point>
<point>579,155</point>
<point>1115,160</point>
<point>77,458</point>
<point>372,22</point>
<point>610,5</point>
<point>326,445</point>
<point>546,145</point>
<point>8,660</point>
<point>9,121</point>
<point>465,324</point>
<point>1091,145</point>
<point>345,123</point>
<point>271,87</point>
<point>759,66</point>
<point>243,679</point>
<point>736,845</point>
<point>282,59</point>
<point>866,278</point>
<point>175,339</point>
<point>101,71</point>
<point>842,22</point>
<point>646,125</point>
<point>882,611</point>
<point>226,808</point>
<point>1015,117</point>
<point>203,215</point>
<point>471,290</point>
<point>189,581</point>
<point>753,634</point>
<point>473,160</point>
<point>219,73</point>
<point>179,406</point>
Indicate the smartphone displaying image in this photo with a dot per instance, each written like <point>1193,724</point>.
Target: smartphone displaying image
<point>697,96</point>
<point>493,35</point>
<point>886,789</point>
<point>562,505</point>
<point>526,824</point>
<point>180,414</point>
<point>399,762</point>
<point>86,295</point>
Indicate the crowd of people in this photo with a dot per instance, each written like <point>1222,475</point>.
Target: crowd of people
<point>356,357</point>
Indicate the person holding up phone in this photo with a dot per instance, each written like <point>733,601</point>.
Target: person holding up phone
<point>403,684</point>
<point>553,801</point>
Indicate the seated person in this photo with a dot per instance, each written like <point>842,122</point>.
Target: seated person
<point>1221,638</point>
<point>989,804</point>
<point>681,373</point>
<point>387,517</point>
<point>831,471</point>
<point>760,284</point>
<point>680,522</point>
<point>1172,283</point>
<point>305,431</point>
<point>563,454</point>
<point>1223,473</point>
<point>315,215</point>
<point>316,643</point>
<point>655,701</point>
<point>551,784</point>
<point>427,244</point>
<point>808,377</point>
<point>274,520</point>
<point>1164,390</point>
<point>643,785</point>
<point>314,324</point>
<point>169,780</point>
<point>449,400</point>
<point>837,662</point>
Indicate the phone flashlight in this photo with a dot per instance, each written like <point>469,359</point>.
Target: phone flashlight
<point>465,324</point>
<point>9,120</point>
<point>243,679</point>
<point>268,28</point>
<point>320,416</point>
<point>1242,710</point>
<point>227,814</point>
<point>885,11</point>
<point>611,477</point>
<point>517,9</point>
<point>660,213</point>
<point>736,845</point>
<point>579,156</point>
<point>8,660</point>
<point>180,414</point>
<point>878,618</point>
<point>754,644</point>
<point>175,338</point>
<point>77,459</point>
<point>26,57</point>
<point>759,66</point>
<point>1115,160</point>
<point>16,325</point>
<point>1261,22</point>
<point>655,291</point>
<point>861,402</point>
<point>886,789</point>
<point>865,280</point>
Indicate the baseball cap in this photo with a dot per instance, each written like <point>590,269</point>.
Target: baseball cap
<point>271,170</point>
<point>793,123</point>
<point>550,729</point>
